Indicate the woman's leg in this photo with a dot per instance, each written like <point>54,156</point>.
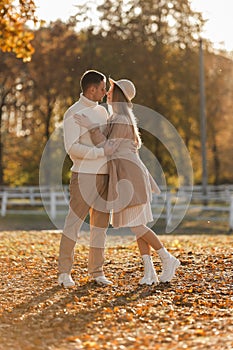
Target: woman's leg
<point>143,246</point>
<point>143,232</point>
<point>169,262</point>
<point>150,275</point>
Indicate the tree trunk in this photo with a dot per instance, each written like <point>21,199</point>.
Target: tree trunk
<point>48,145</point>
<point>1,153</point>
<point>216,162</point>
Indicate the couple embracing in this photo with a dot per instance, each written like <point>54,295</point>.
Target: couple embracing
<point>108,180</point>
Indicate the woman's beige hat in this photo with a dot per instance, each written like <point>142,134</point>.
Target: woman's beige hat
<point>126,86</point>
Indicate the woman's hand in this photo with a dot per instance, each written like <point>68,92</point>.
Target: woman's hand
<point>83,120</point>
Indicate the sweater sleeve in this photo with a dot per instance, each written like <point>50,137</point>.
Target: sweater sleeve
<point>71,140</point>
<point>98,137</point>
<point>79,150</point>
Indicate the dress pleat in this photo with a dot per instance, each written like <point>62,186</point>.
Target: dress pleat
<point>132,216</point>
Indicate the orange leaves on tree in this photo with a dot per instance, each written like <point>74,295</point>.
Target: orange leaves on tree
<point>15,36</point>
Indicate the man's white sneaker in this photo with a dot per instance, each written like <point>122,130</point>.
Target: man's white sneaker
<point>65,280</point>
<point>102,280</point>
<point>169,266</point>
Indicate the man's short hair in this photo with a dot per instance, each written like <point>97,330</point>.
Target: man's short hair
<point>91,77</point>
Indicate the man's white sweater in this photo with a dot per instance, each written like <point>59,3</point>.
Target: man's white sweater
<point>85,156</point>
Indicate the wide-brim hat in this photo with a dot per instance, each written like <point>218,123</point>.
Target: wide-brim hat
<point>126,86</point>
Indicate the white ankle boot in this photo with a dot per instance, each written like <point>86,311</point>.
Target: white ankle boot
<point>102,280</point>
<point>150,275</point>
<point>169,265</point>
<point>65,280</point>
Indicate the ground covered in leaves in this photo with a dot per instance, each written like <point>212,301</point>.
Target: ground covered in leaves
<point>194,311</point>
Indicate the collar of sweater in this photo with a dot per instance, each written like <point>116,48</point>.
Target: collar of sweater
<point>85,101</point>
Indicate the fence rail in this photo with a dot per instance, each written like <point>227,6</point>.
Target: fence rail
<point>219,199</point>
<point>23,200</point>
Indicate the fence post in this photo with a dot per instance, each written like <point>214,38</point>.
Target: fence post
<point>168,209</point>
<point>32,198</point>
<point>53,205</point>
<point>4,203</point>
<point>231,214</point>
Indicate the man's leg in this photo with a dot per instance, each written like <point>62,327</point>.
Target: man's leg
<point>97,245</point>
<point>99,220</point>
<point>66,255</point>
<point>78,210</point>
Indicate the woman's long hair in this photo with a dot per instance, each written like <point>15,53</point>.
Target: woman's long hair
<point>120,105</point>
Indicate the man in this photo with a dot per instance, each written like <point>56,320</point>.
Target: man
<point>89,181</point>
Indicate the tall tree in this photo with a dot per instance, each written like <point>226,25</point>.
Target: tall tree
<point>148,41</point>
<point>154,22</point>
<point>13,86</point>
<point>219,90</point>
<point>54,71</point>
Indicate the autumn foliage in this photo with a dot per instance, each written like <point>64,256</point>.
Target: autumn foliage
<point>193,312</point>
<point>153,43</point>
<point>14,35</point>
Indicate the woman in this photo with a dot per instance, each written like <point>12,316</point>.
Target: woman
<point>130,184</point>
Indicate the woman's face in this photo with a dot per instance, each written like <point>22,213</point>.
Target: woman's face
<point>109,94</point>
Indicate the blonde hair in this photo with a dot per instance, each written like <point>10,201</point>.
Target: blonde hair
<point>121,105</point>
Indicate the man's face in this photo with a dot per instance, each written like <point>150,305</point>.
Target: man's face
<point>99,91</point>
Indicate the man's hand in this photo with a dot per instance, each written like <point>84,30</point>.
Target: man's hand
<point>111,146</point>
<point>83,120</point>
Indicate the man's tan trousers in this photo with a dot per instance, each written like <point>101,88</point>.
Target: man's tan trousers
<point>88,194</point>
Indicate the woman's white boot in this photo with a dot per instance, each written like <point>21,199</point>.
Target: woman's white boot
<point>169,265</point>
<point>150,275</point>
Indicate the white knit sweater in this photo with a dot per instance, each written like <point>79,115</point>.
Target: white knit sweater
<point>85,156</point>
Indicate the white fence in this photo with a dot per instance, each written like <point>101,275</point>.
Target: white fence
<point>219,199</point>
<point>25,200</point>
<point>214,206</point>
